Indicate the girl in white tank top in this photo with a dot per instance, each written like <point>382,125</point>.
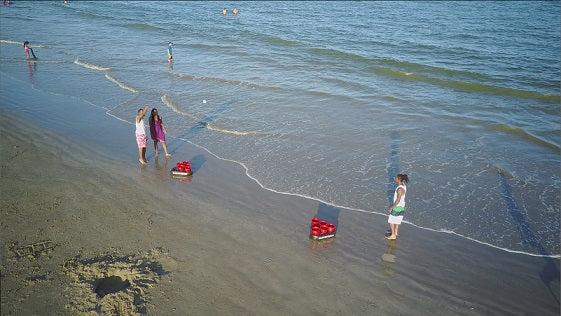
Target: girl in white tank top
<point>397,210</point>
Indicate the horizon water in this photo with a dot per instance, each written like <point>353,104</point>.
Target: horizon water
<point>330,100</point>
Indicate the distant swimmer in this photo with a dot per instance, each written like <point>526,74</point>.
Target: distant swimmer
<point>224,12</point>
<point>28,49</point>
<point>170,56</point>
<point>235,11</point>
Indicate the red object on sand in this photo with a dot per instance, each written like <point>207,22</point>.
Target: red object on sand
<point>321,229</point>
<point>181,169</point>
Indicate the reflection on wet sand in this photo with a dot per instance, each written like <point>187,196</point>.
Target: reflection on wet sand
<point>389,258</point>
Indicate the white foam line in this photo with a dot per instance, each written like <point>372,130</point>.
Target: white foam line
<point>11,42</point>
<point>90,66</point>
<point>167,102</point>
<point>483,242</point>
<point>20,43</point>
<point>120,84</point>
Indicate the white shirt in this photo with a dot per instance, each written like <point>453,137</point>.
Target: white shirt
<point>402,201</point>
<point>140,127</point>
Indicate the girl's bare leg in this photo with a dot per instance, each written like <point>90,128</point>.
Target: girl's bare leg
<point>394,232</point>
<point>166,149</point>
<point>144,155</point>
<point>156,147</point>
<point>141,153</point>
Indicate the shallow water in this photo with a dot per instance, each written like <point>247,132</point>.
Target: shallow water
<point>330,100</point>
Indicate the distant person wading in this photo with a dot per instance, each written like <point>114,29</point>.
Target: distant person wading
<point>27,50</point>
<point>170,51</point>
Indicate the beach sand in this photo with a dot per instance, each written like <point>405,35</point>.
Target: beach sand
<point>86,230</point>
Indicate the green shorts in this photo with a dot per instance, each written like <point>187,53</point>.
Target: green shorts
<point>398,211</point>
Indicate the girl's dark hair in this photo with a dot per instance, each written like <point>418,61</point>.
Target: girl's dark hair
<point>403,178</point>
<point>151,119</point>
<point>26,42</point>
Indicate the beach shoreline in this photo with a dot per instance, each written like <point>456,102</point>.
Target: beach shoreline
<point>77,208</point>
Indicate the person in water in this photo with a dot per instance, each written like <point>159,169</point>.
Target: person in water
<point>224,12</point>
<point>26,49</point>
<point>170,52</point>
<point>158,131</point>
<point>235,11</point>
<point>140,133</point>
<point>397,210</point>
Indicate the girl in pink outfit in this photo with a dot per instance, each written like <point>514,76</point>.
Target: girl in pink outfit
<point>26,49</point>
<point>158,131</point>
<point>141,135</point>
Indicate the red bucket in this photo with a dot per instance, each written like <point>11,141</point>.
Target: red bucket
<point>331,228</point>
<point>315,231</point>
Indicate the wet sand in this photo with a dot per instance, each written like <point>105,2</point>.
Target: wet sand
<point>86,230</point>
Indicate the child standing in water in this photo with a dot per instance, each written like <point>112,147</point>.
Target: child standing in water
<point>397,210</point>
<point>170,51</point>
<point>140,133</point>
<point>158,131</point>
<point>26,49</point>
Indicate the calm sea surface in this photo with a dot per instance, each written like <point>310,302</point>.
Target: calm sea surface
<point>330,100</point>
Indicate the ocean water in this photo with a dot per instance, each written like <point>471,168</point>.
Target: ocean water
<point>330,100</point>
